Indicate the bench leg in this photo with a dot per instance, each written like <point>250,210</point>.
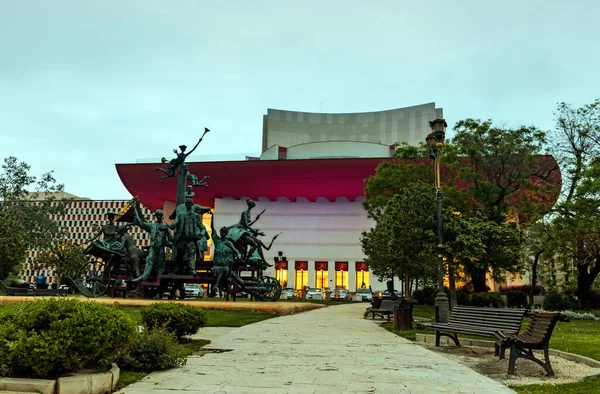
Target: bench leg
<point>453,336</point>
<point>547,365</point>
<point>513,359</point>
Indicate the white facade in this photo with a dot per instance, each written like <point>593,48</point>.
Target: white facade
<point>320,231</point>
<point>329,150</point>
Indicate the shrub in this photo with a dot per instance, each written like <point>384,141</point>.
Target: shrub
<point>524,288</point>
<point>517,299</point>
<point>463,296</point>
<point>49,337</point>
<point>487,299</point>
<point>553,301</point>
<point>580,316</point>
<point>419,296</point>
<point>176,318</point>
<point>152,350</point>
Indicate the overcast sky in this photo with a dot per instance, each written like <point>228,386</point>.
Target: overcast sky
<point>87,84</point>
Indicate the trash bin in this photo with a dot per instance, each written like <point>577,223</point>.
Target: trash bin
<point>403,317</point>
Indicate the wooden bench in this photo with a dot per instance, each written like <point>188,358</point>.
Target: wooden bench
<point>385,309</point>
<point>536,336</point>
<point>484,322</point>
<point>18,291</point>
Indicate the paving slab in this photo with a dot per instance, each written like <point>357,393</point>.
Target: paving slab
<point>328,350</point>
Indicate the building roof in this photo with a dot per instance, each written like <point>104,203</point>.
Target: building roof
<point>271,179</point>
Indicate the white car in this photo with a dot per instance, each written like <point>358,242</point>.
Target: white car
<point>366,294</point>
<point>314,294</point>
<point>289,294</point>
<point>194,290</point>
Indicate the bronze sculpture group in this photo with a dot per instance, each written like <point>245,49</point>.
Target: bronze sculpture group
<point>186,236</point>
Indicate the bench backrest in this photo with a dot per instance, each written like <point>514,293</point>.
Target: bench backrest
<point>500,319</point>
<point>389,304</point>
<point>541,326</point>
<point>11,291</point>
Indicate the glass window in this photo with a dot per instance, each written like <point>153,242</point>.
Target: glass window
<point>362,279</point>
<point>282,276</point>
<point>341,279</point>
<point>321,279</point>
<point>301,279</point>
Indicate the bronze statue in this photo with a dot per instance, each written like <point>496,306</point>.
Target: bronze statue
<point>245,236</point>
<point>176,163</point>
<point>111,241</point>
<point>160,237</point>
<point>224,254</point>
<point>188,231</point>
<point>131,253</point>
<point>202,244</point>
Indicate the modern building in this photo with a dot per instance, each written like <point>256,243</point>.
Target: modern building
<point>82,220</point>
<point>309,179</point>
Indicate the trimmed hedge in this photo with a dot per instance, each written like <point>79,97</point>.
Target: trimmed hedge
<point>487,299</point>
<point>46,338</point>
<point>517,299</point>
<point>179,319</point>
<point>152,350</point>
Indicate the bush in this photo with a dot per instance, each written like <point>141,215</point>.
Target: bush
<point>487,299</point>
<point>50,337</point>
<point>517,299</point>
<point>176,318</point>
<point>553,301</point>
<point>524,288</point>
<point>463,296</point>
<point>152,350</point>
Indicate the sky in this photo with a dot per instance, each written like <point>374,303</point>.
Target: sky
<point>88,84</point>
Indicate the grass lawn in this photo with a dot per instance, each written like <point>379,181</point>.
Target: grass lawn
<point>589,386</point>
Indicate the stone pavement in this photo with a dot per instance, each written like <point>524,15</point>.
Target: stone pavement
<point>329,350</point>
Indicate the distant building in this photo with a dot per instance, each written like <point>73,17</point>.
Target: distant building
<point>82,220</point>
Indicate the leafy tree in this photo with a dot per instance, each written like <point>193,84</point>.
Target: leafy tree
<point>500,168</point>
<point>576,222</point>
<point>30,201</point>
<point>402,241</point>
<point>64,256</point>
<point>12,245</point>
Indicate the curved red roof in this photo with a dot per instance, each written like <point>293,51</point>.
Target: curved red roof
<point>292,179</point>
<point>311,179</point>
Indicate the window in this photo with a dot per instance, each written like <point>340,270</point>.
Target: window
<point>301,277</point>
<point>321,274</point>
<point>362,275</point>
<point>341,275</point>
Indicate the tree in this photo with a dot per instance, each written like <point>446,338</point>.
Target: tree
<point>576,222</point>
<point>403,240</point>
<point>12,245</point>
<point>64,256</point>
<point>30,201</point>
<point>500,168</point>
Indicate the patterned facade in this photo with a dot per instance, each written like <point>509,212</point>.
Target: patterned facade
<point>82,220</point>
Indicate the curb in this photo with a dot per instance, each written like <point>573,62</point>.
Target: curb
<point>429,338</point>
<point>96,383</point>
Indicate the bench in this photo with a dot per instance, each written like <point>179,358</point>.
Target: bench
<point>536,336</point>
<point>386,308</point>
<point>18,291</point>
<point>484,322</point>
<point>51,292</point>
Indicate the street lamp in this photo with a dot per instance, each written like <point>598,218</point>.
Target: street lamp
<point>435,140</point>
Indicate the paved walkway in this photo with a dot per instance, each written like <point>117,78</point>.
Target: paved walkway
<point>329,350</point>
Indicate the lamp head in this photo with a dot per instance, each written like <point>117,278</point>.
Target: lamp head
<point>438,129</point>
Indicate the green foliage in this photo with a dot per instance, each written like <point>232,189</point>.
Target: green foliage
<point>487,299</point>
<point>49,337</point>
<point>425,296</point>
<point>516,299</point>
<point>553,301</point>
<point>152,350</point>
<point>17,191</point>
<point>403,239</point>
<point>64,255</point>
<point>12,245</point>
<point>463,296</point>
<point>180,319</point>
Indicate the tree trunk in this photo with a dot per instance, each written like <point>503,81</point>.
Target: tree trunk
<point>478,279</point>
<point>534,277</point>
<point>585,279</point>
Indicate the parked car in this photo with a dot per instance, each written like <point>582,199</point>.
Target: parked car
<point>289,293</point>
<point>388,294</point>
<point>366,294</point>
<point>341,295</point>
<point>194,290</point>
<point>314,294</point>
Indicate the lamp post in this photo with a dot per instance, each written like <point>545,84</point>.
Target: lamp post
<point>435,140</point>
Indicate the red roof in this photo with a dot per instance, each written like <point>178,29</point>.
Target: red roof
<point>310,178</point>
